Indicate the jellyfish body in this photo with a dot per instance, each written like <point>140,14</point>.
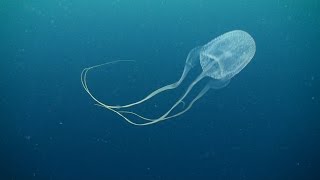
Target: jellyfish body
<point>220,59</point>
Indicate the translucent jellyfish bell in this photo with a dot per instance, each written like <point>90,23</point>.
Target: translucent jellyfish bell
<point>230,53</point>
<point>220,59</point>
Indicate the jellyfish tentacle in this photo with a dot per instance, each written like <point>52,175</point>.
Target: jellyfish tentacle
<point>84,80</point>
<point>202,92</point>
<point>162,89</point>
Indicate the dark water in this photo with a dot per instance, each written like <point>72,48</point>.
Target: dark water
<point>264,125</point>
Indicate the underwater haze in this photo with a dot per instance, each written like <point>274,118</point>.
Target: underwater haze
<point>265,124</point>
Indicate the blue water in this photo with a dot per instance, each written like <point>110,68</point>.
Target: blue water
<point>264,125</point>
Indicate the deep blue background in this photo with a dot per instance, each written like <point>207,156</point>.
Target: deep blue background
<point>264,125</point>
